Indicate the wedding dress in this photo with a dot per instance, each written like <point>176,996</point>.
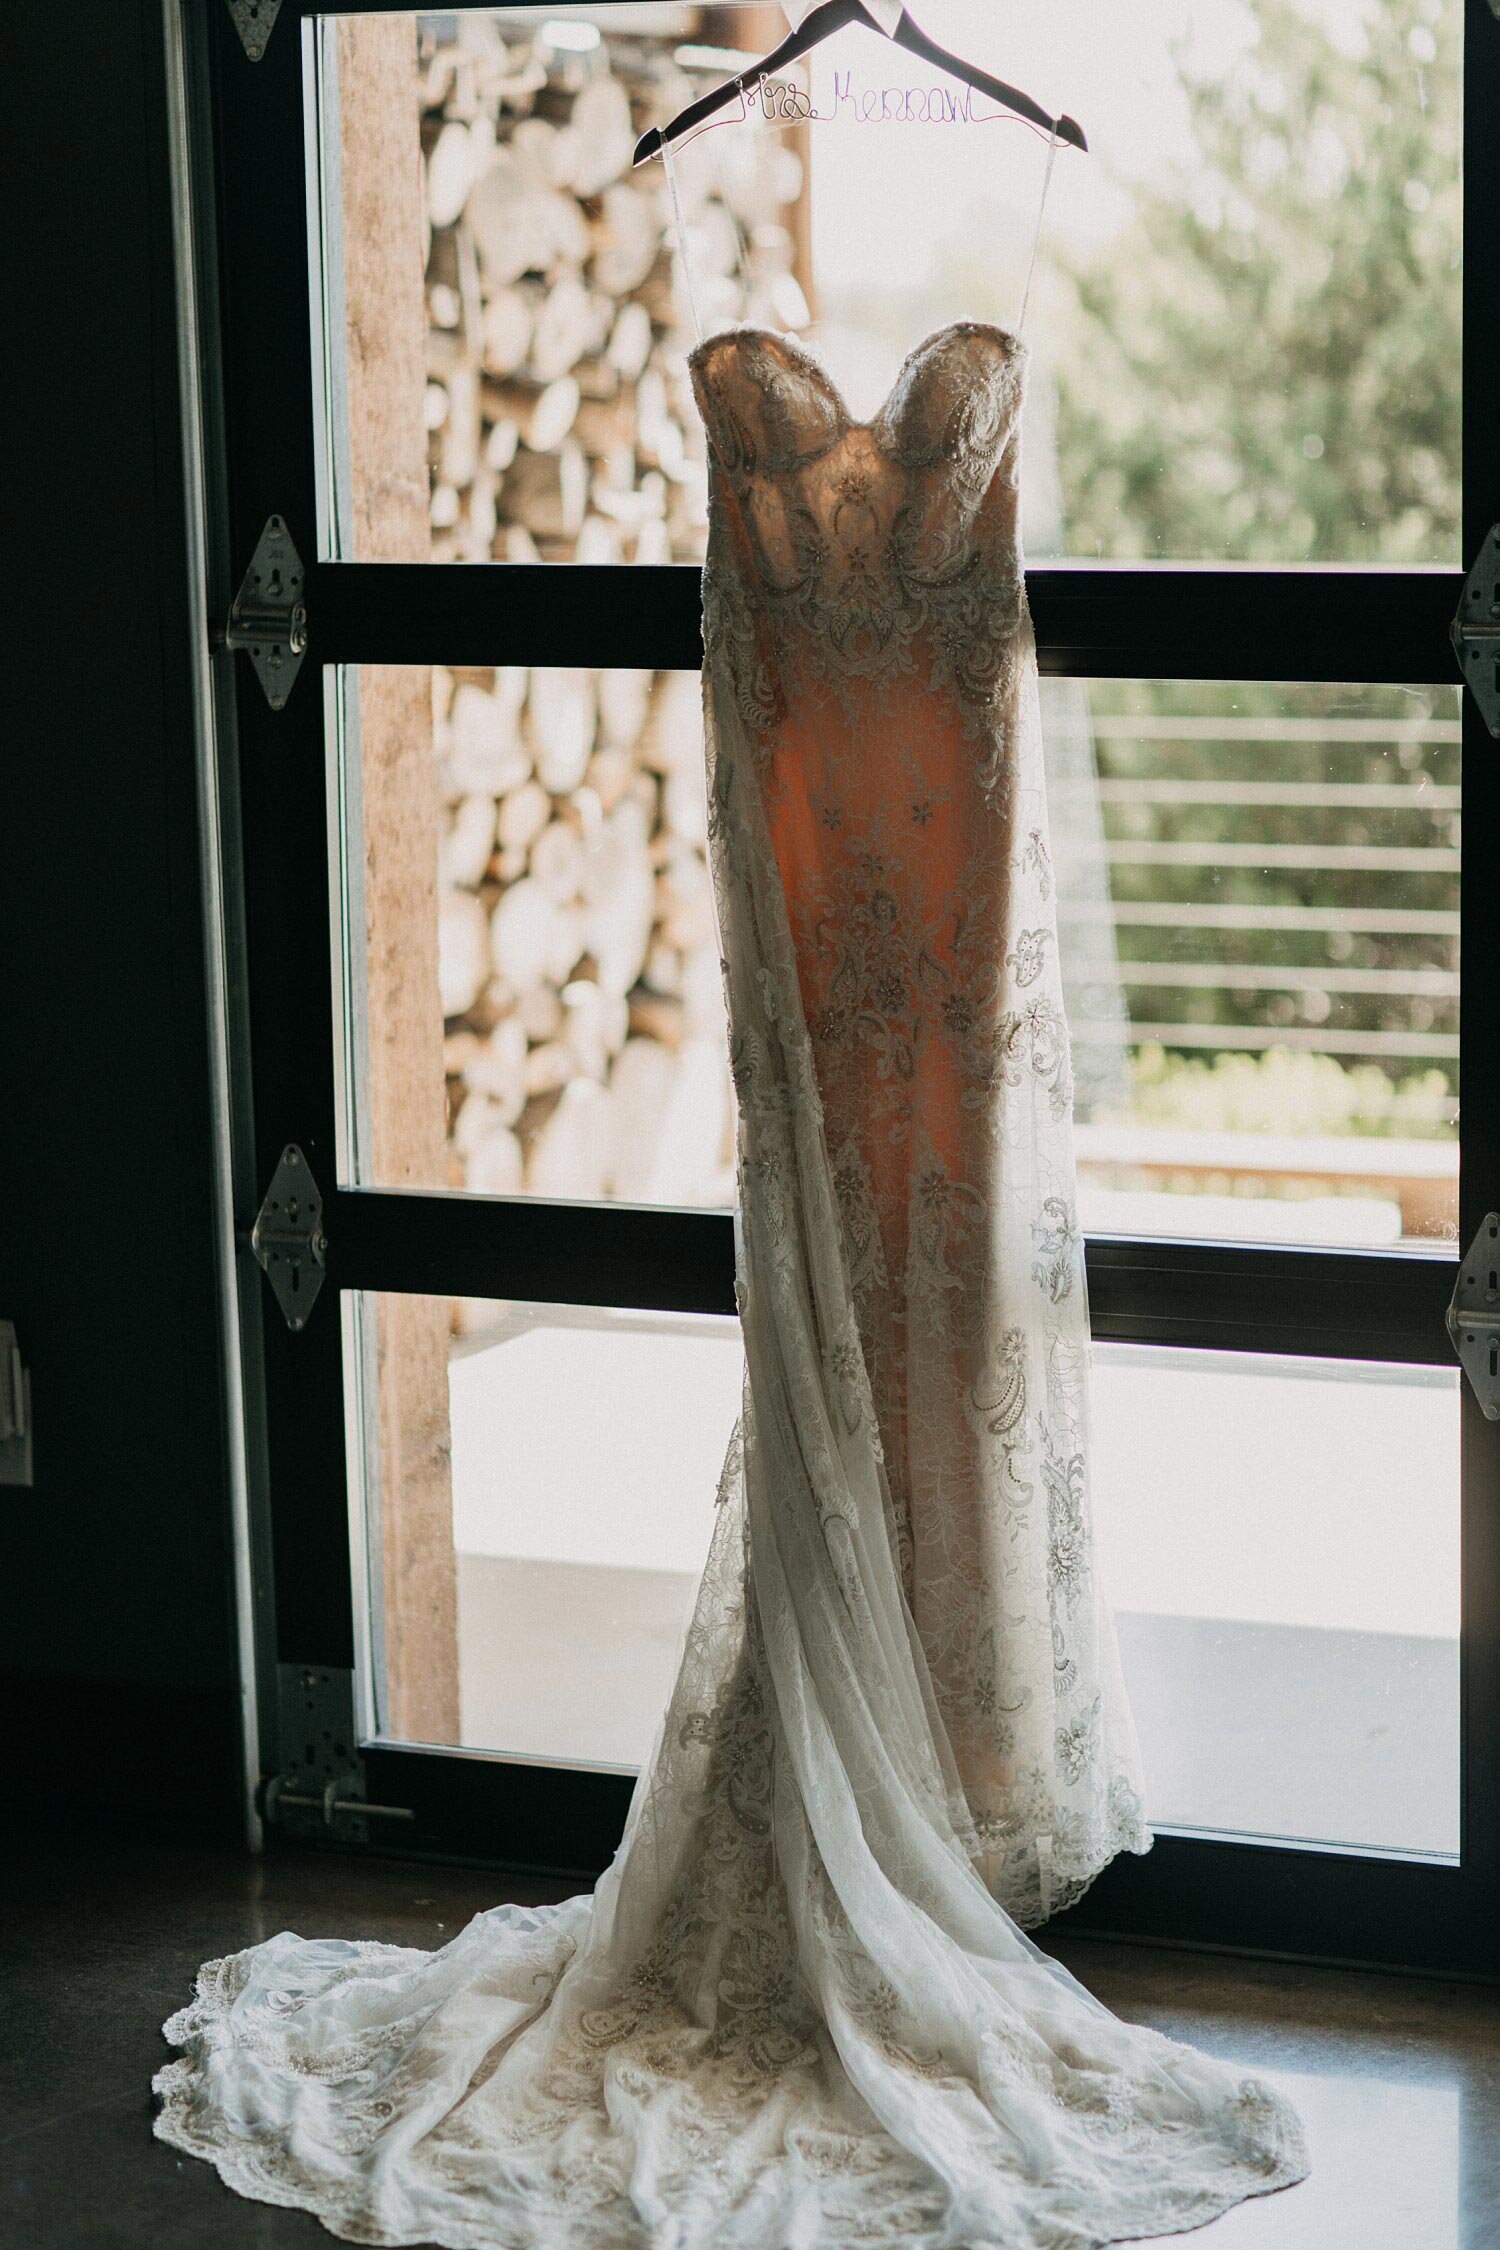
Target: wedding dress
<point>799,2009</point>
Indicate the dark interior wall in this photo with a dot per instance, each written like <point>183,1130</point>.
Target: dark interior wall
<point>116,1620</point>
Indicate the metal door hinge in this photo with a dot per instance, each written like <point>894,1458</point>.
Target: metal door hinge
<point>1476,628</point>
<point>254,20</point>
<point>288,1238</point>
<point>268,617</point>
<point>1474,1316</point>
<point>319,1793</point>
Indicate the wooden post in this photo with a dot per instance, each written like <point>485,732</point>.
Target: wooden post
<point>403,1095</point>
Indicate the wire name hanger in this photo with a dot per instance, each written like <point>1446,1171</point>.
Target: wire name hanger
<point>820,23</point>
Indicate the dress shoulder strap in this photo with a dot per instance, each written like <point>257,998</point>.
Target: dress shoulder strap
<point>1036,238</point>
<point>670,167</point>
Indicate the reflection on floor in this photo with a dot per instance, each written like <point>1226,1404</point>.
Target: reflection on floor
<point>1397,2077</point>
<point>575,1661</point>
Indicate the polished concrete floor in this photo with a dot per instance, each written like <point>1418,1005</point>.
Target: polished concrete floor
<point>1398,2079</point>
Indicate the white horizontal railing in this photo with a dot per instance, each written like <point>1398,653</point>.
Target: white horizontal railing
<point>1237,976</point>
<point>1190,914</point>
<point>1199,726</point>
<point>1315,1156</point>
<point>1316,796</point>
<point>1246,1038</point>
<point>1363,859</point>
<point>1394,1002</point>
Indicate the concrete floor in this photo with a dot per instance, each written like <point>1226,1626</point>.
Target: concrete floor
<point>1397,2078</point>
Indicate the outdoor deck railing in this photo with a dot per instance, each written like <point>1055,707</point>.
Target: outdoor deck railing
<point>1352,953</point>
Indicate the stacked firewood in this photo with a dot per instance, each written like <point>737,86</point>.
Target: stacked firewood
<point>582,997</point>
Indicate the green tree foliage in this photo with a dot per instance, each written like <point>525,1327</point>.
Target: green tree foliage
<point>1281,1091</point>
<point>1263,364</point>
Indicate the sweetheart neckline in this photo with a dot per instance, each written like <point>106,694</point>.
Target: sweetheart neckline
<point>799,350</point>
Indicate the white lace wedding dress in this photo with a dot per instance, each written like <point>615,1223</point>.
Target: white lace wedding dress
<point>799,2009</point>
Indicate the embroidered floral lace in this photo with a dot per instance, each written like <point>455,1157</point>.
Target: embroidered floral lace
<point>800,2008</point>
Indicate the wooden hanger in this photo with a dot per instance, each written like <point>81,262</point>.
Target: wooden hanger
<point>820,24</point>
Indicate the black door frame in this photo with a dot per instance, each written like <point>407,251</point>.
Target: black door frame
<point>1139,620</point>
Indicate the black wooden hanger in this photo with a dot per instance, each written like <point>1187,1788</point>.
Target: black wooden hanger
<point>821,23</point>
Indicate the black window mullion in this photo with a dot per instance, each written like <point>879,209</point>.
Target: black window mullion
<point>1304,1900</point>
<point>1271,1298</point>
<point>551,1253</point>
<point>267,378</point>
<point>1099,620</point>
<point>1342,1304</point>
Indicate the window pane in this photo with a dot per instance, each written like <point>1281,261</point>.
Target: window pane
<point>1258,911</point>
<point>503,323</point>
<point>533,998</point>
<point>1246,312</point>
<point>1244,318</point>
<point>529,1589</point>
<point>1265,988</point>
<point>1280,1541</point>
<point>1278,1538</point>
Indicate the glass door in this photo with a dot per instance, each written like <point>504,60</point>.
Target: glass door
<point>481,989</point>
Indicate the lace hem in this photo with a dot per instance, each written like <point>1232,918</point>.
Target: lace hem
<point>1038,1901</point>
<point>859,2186</point>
